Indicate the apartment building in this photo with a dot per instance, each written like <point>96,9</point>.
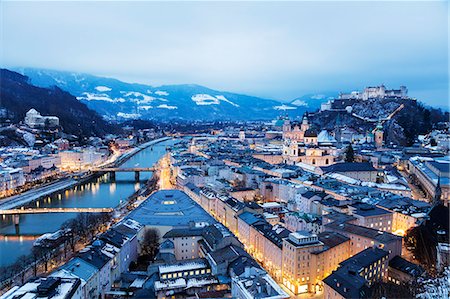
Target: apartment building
<point>355,275</point>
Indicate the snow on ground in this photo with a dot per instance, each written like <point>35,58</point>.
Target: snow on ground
<point>99,97</point>
<point>161,93</point>
<point>299,103</point>
<point>138,97</point>
<point>128,115</point>
<point>60,82</point>
<point>437,287</point>
<point>206,99</point>
<point>222,98</point>
<point>318,97</point>
<point>284,107</point>
<point>165,106</point>
<point>103,88</point>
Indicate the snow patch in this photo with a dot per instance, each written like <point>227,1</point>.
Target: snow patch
<point>206,99</point>
<point>318,97</point>
<point>299,103</point>
<point>165,106</point>
<point>60,82</point>
<point>284,107</point>
<point>139,98</point>
<point>128,115</point>
<point>99,97</point>
<point>222,98</point>
<point>103,88</point>
<point>161,93</point>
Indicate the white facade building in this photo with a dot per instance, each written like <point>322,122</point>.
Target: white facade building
<point>34,119</point>
<point>10,180</point>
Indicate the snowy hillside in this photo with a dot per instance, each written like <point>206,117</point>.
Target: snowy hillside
<point>115,99</point>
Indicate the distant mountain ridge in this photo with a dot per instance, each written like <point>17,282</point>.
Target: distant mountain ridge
<point>17,96</point>
<point>116,100</point>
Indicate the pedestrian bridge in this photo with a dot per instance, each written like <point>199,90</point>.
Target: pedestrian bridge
<point>54,210</point>
<point>113,170</point>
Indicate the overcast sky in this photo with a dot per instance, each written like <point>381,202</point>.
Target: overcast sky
<point>268,49</point>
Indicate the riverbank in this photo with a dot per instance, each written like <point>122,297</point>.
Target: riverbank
<point>124,194</point>
<point>68,183</point>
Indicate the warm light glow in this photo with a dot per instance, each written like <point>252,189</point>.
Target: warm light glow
<point>399,232</point>
<point>112,188</point>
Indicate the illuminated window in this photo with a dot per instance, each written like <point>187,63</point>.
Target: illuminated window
<point>168,202</point>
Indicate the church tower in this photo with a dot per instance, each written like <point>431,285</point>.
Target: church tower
<point>305,124</point>
<point>286,125</point>
<point>379,136</point>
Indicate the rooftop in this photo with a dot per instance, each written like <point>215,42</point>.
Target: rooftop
<point>184,232</point>
<point>186,265</point>
<point>76,267</point>
<point>50,287</point>
<point>332,239</point>
<point>382,237</point>
<point>347,285</point>
<point>365,258</point>
<point>169,208</point>
<point>405,266</point>
<point>367,210</point>
<point>349,167</point>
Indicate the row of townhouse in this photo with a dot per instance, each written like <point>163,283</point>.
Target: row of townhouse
<point>100,264</point>
<point>301,260</point>
<point>216,253</point>
<point>10,180</point>
<point>393,214</point>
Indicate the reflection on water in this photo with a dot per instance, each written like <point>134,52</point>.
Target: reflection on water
<point>100,193</point>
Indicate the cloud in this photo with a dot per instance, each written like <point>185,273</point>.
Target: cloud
<point>278,50</point>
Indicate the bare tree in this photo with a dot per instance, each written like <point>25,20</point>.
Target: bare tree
<point>150,243</point>
<point>36,253</point>
<point>20,267</point>
<point>46,257</point>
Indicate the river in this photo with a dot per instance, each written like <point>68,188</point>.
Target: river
<point>99,193</point>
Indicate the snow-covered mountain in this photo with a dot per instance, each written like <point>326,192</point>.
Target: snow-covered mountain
<point>115,99</point>
<point>312,102</point>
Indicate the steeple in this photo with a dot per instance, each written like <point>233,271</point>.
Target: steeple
<point>379,135</point>
<point>305,123</point>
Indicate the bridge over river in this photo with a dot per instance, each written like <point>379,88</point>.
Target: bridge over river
<point>113,170</point>
<point>42,213</point>
<point>54,210</point>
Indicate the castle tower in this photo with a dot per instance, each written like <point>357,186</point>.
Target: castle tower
<point>379,135</point>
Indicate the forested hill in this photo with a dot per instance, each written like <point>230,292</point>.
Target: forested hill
<point>18,96</point>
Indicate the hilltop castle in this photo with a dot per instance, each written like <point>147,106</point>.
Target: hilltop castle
<point>376,92</point>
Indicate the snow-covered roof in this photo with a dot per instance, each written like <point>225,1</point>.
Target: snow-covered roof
<point>182,267</point>
<point>325,137</point>
<point>170,284</point>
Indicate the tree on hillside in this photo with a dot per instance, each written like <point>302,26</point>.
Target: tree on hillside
<point>349,154</point>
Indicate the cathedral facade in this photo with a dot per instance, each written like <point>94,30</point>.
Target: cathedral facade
<point>302,144</point>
